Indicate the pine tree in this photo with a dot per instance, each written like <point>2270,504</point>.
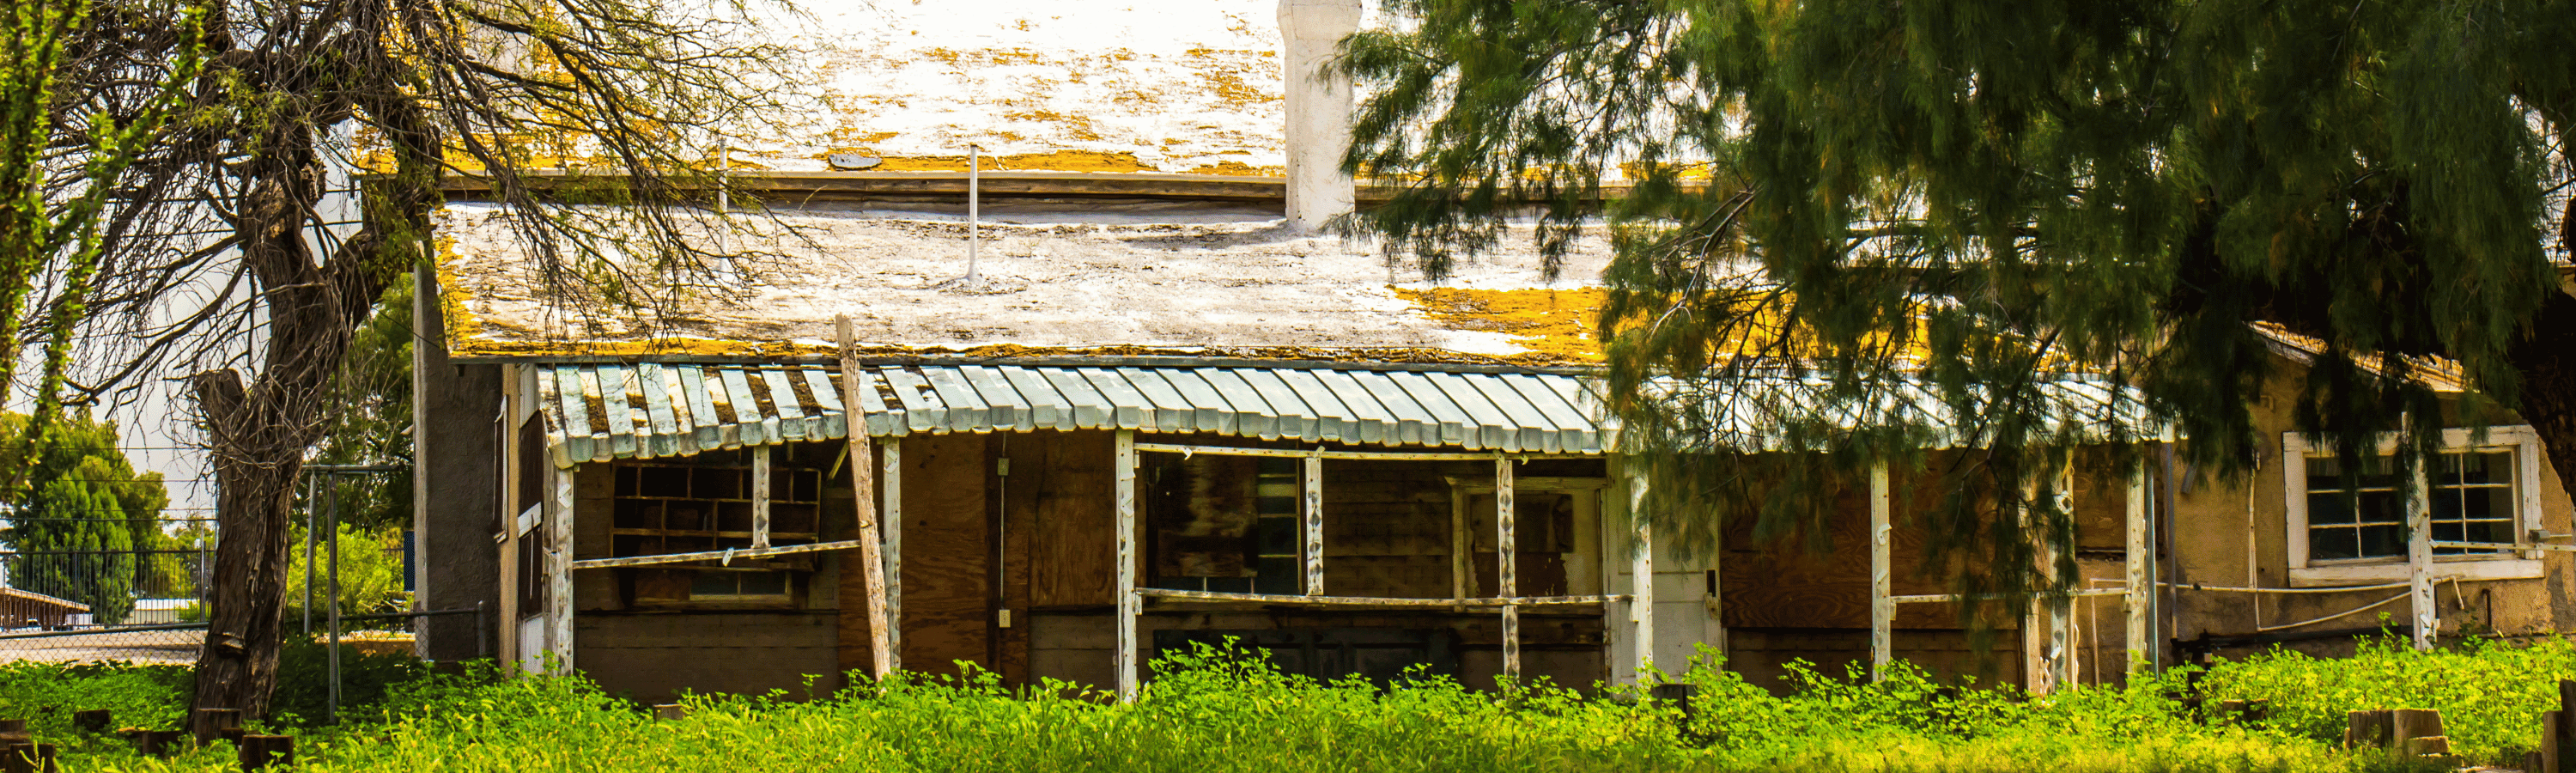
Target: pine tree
<point>1976,197</point>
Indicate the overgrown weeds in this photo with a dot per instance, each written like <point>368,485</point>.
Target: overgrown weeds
<point>1224,711</point>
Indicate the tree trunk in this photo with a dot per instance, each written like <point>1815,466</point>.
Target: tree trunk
<point>2546,358</point>
<point>255,485</point>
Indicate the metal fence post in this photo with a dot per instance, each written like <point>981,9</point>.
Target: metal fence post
<point>333,481</point>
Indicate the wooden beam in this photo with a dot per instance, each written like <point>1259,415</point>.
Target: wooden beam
<point>1375,601</point>
<point>2140,555</point>
<point>1129,605</point>
<point>760,496</point>
<point>714,555</point>
<point>871,559</point>
<point>1325,453</point>
<point>1641,584</point>
<point>1313,555</point>
<point>892,483</point>
<point>1882,611</point>
<point>2061,611</point>
<point>1506,570</point>
<point>1462,567</point>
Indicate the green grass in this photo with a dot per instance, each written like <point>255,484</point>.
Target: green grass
<point>1216,713</point>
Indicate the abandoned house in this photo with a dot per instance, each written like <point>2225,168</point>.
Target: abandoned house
<point>1120,399</point>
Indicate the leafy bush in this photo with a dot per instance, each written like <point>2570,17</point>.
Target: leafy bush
<point>2490,693</point>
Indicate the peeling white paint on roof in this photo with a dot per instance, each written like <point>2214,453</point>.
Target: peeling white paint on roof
<point>1178,85</point>
<point>1160,287</point>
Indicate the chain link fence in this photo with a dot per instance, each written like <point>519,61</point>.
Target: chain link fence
<point>82,605</point>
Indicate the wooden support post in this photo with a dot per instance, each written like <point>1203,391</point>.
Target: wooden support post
<point>1128,606</point>
<point>1462,558</point>
<point>892,521</point>
<point>1882,608</point>
<point>760,495</point>
<point>2061,612</point>
<point>2140,555</point>
<point>862,451</point>
<point>1506,569</point>
<point>1641,568</point>
<point>558,556</point>
<point>1313,555</point>
<point>2419,561</point>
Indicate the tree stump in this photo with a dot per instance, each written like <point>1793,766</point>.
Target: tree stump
<point>210,724</point>
<point>2416,723</point>
<point>670,711</point>
<point>261,751</point>
<point>2374,728</point>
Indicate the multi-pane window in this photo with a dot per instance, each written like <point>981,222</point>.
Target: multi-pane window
<point>2348,516</point>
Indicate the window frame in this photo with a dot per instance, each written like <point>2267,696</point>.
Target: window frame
<point>2305,571</point>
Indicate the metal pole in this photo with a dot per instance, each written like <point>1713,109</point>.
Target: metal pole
<point>482,629</point>
<point>332,716</point>
<point>974,198</point>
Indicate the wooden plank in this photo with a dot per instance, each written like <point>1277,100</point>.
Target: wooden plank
<point>1004,408</point>
<point>1882,560</point>
<point>1128,606</point>
<point>748,430</point>
<point>1313,555</point>
<point>570,435</point>
<point>1295,419</point>
<point>628,435</point>
<point>1641,573</point>
<point>662,430</point>
<point>947,553</point>
<point>558,579</point>
<point>704,422</point>
<point>714,555</point>
<point>891,532</point>
<point>1072,522</point>
<point>966,411</point>
<point>1451,421</point>
<point>684,425</point>
<point>1332,419</point>
<point>1047,408</point>
<point>1376,601</point>
<point>1209,411</point>
<point>872,563</point>
<point>1300,453</point>
<point>834,421</point>
<point>923,410</point>
<point>2419,562</point>
<point>1091,410</point>
<point>1506,561</point>
<point>1366,421</point>
<point>871,415</point>
<point>787,418</point>
<point>2137,555</point>
<point>1462,569</point>
<point>1129,408</point>
<point>1252,416</point>
<point>1172,412</point>
<point>760,496</point>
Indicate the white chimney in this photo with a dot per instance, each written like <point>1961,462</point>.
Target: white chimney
<point>1319,108</point>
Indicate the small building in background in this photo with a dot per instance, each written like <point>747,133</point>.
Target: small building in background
<point>21,609</point>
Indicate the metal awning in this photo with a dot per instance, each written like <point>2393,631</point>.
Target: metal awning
<point>598,412</point>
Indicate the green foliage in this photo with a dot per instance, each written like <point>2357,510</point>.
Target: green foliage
<point>1218,711</point>
<point>1972,199</point>
<point>372,424</point>
<point>371,579</point>
<point>303,696</point>
<point>2490,693</point>
<point>85,507</point>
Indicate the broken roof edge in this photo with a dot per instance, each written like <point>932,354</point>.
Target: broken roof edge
<point>1004,183</point>
<point>2442,375</point>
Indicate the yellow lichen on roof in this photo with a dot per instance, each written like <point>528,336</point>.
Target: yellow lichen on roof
<point>1056,161</point>
<point>1547,321</point>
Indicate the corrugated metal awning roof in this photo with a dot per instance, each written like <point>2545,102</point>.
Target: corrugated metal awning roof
<point>598,412</point>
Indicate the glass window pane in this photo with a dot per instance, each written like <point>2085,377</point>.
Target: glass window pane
<point>2324,473</point>
<point>2331,507</point>
<point>2333,543</point>
<point>2488,467</point>
<point>2383,507</point>
<point>2383,541</point>
<point>715,584</point>
<point>2446,531</point>
<point>2489,531</point>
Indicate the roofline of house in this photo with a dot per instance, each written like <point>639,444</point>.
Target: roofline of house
<point>848,186</point>
<point>69,604</point>
<point>1064,361</point>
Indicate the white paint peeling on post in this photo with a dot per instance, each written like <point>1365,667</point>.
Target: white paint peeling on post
<point>1314,552</point>
<point>2140,554</point>
<point>558,554</point>
<point>1128,606</point>
<point>2419,560</point>
<point>760,496</point>
<point>1641,571</point>
<point>1882,607</point>
<point>893,522</point>
<point>2061,611</point>
<point>1506,556</point>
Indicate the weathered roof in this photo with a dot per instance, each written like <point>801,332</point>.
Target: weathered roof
<point>1058,282</point>
<point>2440,373</point>
<point>599,412</point>
<point>28,596</point>
<point>1137,85</point>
